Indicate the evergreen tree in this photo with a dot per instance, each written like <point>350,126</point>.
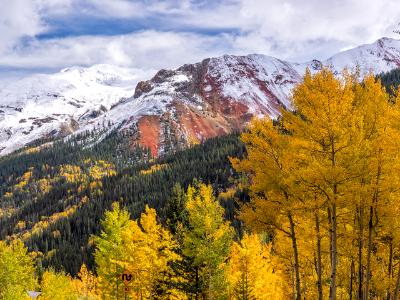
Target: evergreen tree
<point>176,209</point>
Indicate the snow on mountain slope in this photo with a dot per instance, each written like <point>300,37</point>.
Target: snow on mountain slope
<point>380,56</point>
<point>48,105</point>
<point>175,107</point>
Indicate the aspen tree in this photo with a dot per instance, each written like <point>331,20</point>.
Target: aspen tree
<point>253,273</point>
<point>57,286</point>
<point>16,271</point>
<point>207,241</point>
<point>110,248</point>
<point>275,203</point>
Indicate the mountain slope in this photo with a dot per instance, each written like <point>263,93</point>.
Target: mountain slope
<point>174,108</point>
<point>50,105</point>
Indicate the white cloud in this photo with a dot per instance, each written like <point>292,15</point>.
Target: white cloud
<point>302,22</point>
<point>114,8</point>
<point>145,50</point>
<point>301,29</point>
<point>18,19</point>
<point>297,30</point>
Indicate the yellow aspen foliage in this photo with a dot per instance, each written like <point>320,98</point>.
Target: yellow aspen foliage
<point>110,249</point>
<point>276,197</point>
<point>149,251</point>
<point>8,195</point>
<point>331,165</point>
<point>56,234</point>
<point>72,174</point>
<point>96,186</point>
<point>16,271</point>
<point>44,185</point>
<point>57,286</point>
<point>86,284</point>
<point>24,179</point>
<point>21,225</point>
<point>207,241</point>
<point>101,169</point>
<point>141,248</point>
<point>253,273</point>
<point>32,150</point>
<point>153,168</point>
<point>45,222</point>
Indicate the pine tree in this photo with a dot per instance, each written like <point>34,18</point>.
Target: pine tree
<point>176,209</point>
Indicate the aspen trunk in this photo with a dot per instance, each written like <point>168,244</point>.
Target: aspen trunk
<point>197,284</point>
<point>390,268</point>
<point>396,289</point>
<point>333,229</point>
<point>360,247</point>
<point>296,257</point>
<point>352,271</point>
<point>319,263</point>
<point>369,249</point>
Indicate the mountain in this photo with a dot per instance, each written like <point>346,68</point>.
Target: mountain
<point>175,107</point>
<point>51,105</point>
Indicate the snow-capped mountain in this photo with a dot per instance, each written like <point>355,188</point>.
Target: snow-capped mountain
<point>47,105</point>
<point>175,107</point>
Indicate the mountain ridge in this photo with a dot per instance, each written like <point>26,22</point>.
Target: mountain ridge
<point>175,107</point>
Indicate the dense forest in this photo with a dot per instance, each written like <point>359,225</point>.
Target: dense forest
<point>303,207</point>
<point>390,80</point>
<point>54,198</point>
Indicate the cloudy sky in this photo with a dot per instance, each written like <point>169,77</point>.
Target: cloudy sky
<point>48,35</point>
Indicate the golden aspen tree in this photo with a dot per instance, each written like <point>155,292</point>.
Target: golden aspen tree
<point>86,284</point>
<point>57,286</point>
<point>336,157</point>
<point>207,241</point>
<point>16,271</point>
<point>377,163</point>
<point>110,248</point>
<point>389,210</point>
<point>327,139</point>
<point>275,202</point>
<point>392,239</point>
<point>252,271</point>
<point>149,252</point>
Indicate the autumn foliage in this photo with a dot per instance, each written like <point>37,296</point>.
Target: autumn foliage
<point>321,220</point>
<point>324,184</point>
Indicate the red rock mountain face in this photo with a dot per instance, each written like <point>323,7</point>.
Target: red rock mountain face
<point>220,95</point>
<point>211,98</point>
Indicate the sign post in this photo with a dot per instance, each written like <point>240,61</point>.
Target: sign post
<point>126,278</point>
